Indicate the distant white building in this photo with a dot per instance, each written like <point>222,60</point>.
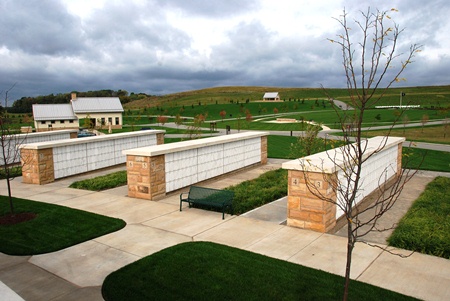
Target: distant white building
<point>271,96</point>
<point>101,112</point>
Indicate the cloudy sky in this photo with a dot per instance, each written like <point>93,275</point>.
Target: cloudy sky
<point>164,46</point>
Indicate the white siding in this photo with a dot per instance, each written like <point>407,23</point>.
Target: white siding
<point>70,160</point>
<point>92,155</point>
<point>375,171</point>
<point>187,167</point>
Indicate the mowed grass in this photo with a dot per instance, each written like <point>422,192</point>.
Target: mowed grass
<point>432,134</point>
<point>209,271</point>
<point>426,96</point>
<point>418,158</point>
<point>413,158</point>
<point>426,226</point>
<point>280,146</point>
<point>54,228</point>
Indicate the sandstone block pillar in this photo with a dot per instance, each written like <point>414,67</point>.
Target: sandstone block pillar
<point>305,210</point>
<point>37,166</point>
<point>146,177</point>
<point>160,138</point>
<point>264,150</point>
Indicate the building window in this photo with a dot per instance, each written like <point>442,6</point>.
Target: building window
<point>117,120</point>
<point>61,121</point>
<point>109,120</point>
<point>70,121</point>
<point>103,120</point>
<point>42,122</point>
<point>53,122</point>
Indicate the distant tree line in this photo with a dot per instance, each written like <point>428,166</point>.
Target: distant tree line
<point>24,104</point>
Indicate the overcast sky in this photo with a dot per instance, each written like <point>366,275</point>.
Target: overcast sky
<point>164,46</point>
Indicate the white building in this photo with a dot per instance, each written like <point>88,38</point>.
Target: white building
<point>100,111</point>
<point>48,117</point>
<point>271,96</point>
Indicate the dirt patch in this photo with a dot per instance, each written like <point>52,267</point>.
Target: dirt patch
<point>13,219</point>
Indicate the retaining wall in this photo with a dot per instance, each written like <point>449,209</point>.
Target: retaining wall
<point>46,161</point>
<point>154,171</point>
<point>306,210</point>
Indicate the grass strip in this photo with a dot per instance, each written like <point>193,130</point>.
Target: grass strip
<point>54,228</point>
<point>209,271</point>
<point>99,183</point>
<point>267,188</point>
<point>426,226</point>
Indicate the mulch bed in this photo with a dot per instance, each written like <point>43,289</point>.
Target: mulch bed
<point>12,219</point>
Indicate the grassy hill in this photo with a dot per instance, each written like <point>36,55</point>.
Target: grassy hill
<point>431,96</point>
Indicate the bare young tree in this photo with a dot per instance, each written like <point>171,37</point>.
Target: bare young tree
<point>371,67</point>
<point>308,142</point>
<point>424,120</point>
<point>10,140</point>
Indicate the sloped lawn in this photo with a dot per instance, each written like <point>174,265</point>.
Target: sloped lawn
<point>209,271</point>
<point>54,227</point>
<point>425,227</point>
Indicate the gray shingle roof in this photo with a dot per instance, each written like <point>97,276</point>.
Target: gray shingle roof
<point>53,112</point>
<point>96,104</point>
<point>270,95</point>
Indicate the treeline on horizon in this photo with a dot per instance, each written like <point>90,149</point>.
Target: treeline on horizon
<point>24,104</point>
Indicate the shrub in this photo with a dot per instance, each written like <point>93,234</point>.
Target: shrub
<point>267,188</point>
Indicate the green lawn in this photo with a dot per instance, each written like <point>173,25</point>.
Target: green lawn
<point>426,226</point>
<point>279,147</point>
<point>426,96</point>
<point>54,228</point>
<point>432,160</point>
<point>139,127</point>
<point>208,271</point>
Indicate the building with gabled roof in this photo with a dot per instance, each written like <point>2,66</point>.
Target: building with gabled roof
<point>271,96</point>
<point>99,111</point>
<point>49,117</point>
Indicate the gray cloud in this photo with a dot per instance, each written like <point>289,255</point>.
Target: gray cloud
<point>134,46</point>
<point>39,27</point>
<point>212,8</point>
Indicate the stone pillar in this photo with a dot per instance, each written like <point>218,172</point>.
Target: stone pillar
<point>399,159</point>
<point>37,166</point>
<point>160,138</point>
<point>306,210</point>
<point>264,150</point>
<point>146,177</point>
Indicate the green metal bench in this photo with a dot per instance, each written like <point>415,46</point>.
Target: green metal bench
<point>209,197</point>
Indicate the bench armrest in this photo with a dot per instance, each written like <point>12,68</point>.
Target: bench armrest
<point>181,196</point>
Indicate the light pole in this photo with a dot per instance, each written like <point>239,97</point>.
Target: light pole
<point>401,96</point>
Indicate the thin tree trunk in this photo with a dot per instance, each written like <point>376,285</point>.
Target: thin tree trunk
<point>11,205</point>
<point>350,245</point>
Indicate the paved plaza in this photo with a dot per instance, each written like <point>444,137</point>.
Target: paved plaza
<point>77,272</point>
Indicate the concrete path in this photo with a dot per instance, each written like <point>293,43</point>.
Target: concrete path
<point>77,272</point>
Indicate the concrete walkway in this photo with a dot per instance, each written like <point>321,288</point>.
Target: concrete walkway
<point>77,273</point>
